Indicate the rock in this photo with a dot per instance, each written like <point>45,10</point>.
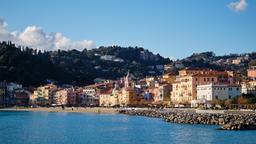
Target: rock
<point>228,121</point>
<point>221,121</point>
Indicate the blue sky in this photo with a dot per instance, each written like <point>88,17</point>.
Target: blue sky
<point>173,28</point>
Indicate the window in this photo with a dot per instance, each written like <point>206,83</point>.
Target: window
<point>229,97</point>
<point>216,97</point>
<point>212,79</point>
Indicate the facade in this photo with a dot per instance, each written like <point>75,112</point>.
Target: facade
<point>251,73</point>
<point>165,92</point>
<point>88,96</point>
<point>150,81</point>
<point>160,93</point>
<point>213,92</point>
<point>72,97</point>
<point>109,98</point>
<point>184,89</point>
<point>249,87</point>
<point>168,78</point>
<point>91,91</point>
<point>11,87</point>
<point>87,100</point>
<point>44,95</point>
<point>127,97</point>
<point>22,97</point>
<point>61,97</point>
<point>3,94</point>
<point>91,100</point>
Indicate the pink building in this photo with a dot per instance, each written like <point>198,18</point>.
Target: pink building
<point>61,97</point>
<point>72,97</point>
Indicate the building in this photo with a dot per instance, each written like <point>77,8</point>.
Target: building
<point>44,95</point>
<point>22,97</point>
<point>3,94</point>
<point>90,96</point>
<point>87,100</point>
<point>160,93</point>
<point>127,97</point>
<point>249,87</point>
<point>168,78</point>
<point>165,92</point>
<point>60,97</point>
<point>150,81</point>
<point>7,93</point>
<point>11,87</point>
<point>179,65</point>
<point>72,97</point>
<point>213,92</point>
<point>107,57</point>
<point>238,60</point>
<point>123,94</point>
<point>91,91</point>
<point>91,100</point>
<point>109,98</point>
<point>251,72</point>
<point>184,89</point>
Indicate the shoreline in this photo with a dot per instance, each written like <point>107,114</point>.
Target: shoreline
<point>98,110</point>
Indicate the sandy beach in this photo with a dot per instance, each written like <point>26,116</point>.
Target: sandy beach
<point>99,110</point>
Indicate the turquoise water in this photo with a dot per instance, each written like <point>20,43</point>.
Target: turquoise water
<point>79,128</point>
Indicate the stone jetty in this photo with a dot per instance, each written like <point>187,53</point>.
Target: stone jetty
<point>227,120</point>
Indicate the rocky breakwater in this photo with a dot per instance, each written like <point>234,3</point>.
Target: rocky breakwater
<point>227,121</point>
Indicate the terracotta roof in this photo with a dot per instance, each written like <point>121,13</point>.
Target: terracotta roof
<point>109,91</point>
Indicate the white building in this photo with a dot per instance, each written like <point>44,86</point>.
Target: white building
<point>90,91</point>
<point>13,86</point>
<point>249,87</point>
<point>107,57</point>
<point>214,92</point>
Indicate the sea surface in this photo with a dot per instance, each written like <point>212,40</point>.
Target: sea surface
<point>84,128</point>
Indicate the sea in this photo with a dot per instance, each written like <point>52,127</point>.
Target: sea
<point>89,128</point>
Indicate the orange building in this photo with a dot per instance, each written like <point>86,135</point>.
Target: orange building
<point>251,73</point>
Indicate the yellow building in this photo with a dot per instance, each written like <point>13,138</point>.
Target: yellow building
<point>44,94</point>
<point>109,98</point>
<point>127,97</point>
<point>168,78</point>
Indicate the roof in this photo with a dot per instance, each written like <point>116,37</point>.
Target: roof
<point>109,91</point>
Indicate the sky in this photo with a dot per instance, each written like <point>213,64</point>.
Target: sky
<point>172,28</point>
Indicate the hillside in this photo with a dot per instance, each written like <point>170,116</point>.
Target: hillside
<point>208,60</point>
<point>34,67</point>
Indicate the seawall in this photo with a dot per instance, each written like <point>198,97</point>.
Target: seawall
<point>228,120</point>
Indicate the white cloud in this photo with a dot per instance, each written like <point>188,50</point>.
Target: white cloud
<point>238,6</point>
<point>35,37</point>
